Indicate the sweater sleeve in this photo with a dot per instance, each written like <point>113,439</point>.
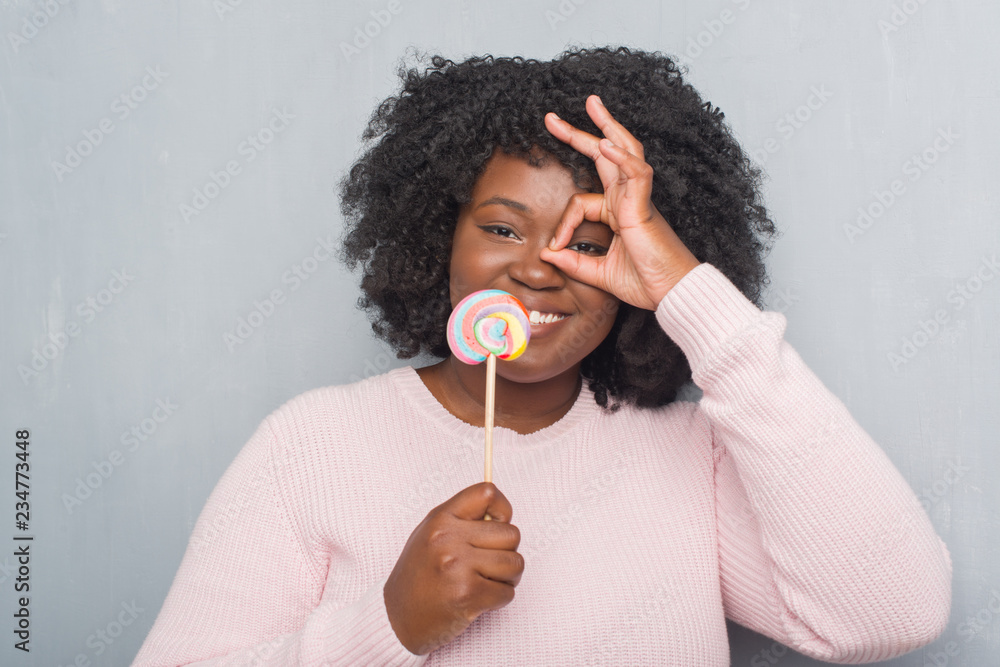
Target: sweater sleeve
<point>249,590</point>
<point>822,544</point>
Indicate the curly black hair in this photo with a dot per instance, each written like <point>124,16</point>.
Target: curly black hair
<point>425,148</point>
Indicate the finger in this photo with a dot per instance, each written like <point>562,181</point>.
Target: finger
<point>585,142</point>
<point>493,594</point>
<point>502,566</point>
<point>582,142</point>
<point>566,132</point>
<point>627,162</point>
<point>474,502</point>
<point>582,206</point>
<point>582,268</point>
<point>611,128</point>
<point>494,535</point>
<point>635,173</point>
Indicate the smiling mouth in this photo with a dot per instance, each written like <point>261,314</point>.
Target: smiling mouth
<point>537,317</point>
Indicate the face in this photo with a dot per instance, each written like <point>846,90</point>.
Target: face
<point>514,212</point>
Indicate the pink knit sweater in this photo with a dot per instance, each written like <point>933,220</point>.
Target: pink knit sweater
<point>641,530</point>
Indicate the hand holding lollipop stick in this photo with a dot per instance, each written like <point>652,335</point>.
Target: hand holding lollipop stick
<point>485,325</point>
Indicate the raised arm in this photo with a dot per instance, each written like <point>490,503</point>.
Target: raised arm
<point>822,543</point>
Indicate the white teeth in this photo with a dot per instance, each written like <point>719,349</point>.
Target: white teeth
<point>536,317</point>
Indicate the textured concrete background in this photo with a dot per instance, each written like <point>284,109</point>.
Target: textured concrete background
<point>167,180</point>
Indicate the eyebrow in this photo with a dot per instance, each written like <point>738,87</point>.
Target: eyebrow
<point>503,201</point>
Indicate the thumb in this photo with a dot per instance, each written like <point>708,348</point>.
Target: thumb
<point>579,267</point>
<point>474,502</point>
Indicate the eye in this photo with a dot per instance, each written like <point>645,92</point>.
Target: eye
<point>585,248</point>
<point>499,230</point>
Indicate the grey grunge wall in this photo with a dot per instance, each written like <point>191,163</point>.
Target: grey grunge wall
<point>169,228</point>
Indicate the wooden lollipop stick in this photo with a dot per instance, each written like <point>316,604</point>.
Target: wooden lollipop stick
<point>491,383</point>
<point>491,376</point>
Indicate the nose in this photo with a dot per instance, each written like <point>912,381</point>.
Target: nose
<point>529,270</point>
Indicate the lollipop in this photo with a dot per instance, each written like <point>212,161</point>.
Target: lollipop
<point>488,322</point>
<point>485,325</point>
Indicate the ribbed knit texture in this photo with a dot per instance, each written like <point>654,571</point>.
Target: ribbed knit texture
<point>641,530</point>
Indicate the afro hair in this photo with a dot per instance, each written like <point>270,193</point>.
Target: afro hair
<point>425,147</point>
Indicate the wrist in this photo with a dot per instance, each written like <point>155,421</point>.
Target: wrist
<point>677,273</point>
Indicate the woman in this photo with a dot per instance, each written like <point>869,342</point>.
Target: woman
<point>632,226</point>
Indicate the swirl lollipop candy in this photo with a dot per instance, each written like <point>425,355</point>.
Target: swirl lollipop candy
<point>488,322</point>
<point>485,325</point>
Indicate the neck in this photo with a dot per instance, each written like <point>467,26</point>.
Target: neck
<point>520,407</point>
